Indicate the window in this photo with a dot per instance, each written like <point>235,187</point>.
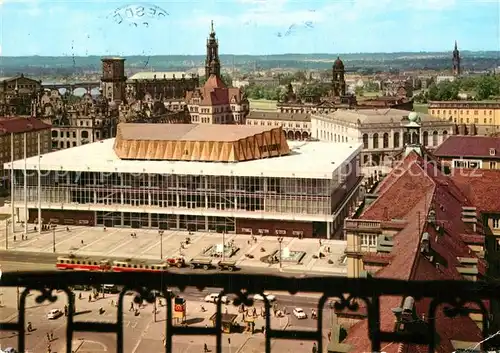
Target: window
<point>368,240</point>
<point>496,223</point>
<point>493,165</point>
<point>471,164</point>
<point>386,140</point>
<point>375,140</point>
<point>365,141</point>
<point>396,140</point>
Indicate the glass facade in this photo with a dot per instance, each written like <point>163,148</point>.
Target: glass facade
<point>252,194</point>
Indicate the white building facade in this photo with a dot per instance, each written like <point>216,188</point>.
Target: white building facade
<point>381,132</point>
<point>305,194</point>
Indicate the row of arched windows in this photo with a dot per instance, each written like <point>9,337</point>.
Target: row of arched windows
<point>406,139</point>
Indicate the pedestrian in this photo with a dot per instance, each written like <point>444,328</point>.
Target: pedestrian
<point>329,336</point>
<point>112,302</point>
<point>14,238</point>
<point>48,337</point>
<point>35,228</point>
<point>49,349</point>
<point>80,295</point>
<point>90,298</point>
<point>51,335</point>
<point>131,306</point>
<point>205,348</point>
<point>81,241</point>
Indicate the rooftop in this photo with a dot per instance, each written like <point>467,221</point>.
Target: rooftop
<point>377,116</point>
<point>479,186</point>
<point>160,75</point>
<point>469,146</point>
<point>266,115</point>
<point>19,125</point>
<point>188,132</point>
<point>306,160</point>
<point>410,191</point>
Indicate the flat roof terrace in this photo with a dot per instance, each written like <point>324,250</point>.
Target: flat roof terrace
<point>311,159</point>
<point>199,142</point>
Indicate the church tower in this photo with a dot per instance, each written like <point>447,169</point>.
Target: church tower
<point>456,61</point>
<point>338,81</point>
<point>113,80</point>
<point>212,62</point>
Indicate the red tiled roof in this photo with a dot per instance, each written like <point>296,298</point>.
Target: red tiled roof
<point>409,192</point>
<point>469,146</point>
<point>479,186</point>
<point>20,125</point>
<point>215,92</point>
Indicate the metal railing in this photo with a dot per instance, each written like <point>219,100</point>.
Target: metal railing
<point>450,296</point>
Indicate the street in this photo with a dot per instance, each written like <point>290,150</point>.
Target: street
<point>142,333</point>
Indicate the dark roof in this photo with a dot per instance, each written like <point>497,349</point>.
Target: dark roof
<point>410,191</point>
<point>256,114</point>
<point>19,125</point>
<point>469,146</point>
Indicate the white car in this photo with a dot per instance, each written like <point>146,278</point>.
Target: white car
<point>260,297</point>
<point>299,313</point>
<point>54,314</point>
<point>213,297</point>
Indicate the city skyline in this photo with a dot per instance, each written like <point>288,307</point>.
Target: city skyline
<point>95,27</point>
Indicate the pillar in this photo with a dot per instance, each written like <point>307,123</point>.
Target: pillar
<point>328,230</point>
<point>177,221</point>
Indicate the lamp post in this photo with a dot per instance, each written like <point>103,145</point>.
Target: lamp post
<point>280,240</point>
<point>160,233</point>
<point>54,238</point>
<point>7,234</point>
<point>224,245</point>
<point>39,188</point>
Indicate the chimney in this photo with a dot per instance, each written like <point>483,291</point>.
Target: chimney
<point>469,216</point>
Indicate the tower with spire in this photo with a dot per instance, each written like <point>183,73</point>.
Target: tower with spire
<point>212,62</point>
<point>456,61</point>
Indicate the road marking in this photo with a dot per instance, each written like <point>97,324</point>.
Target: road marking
<point>68,238</point>
<point>119,246</point>
<point>155,244</point>
<point>96,241</point>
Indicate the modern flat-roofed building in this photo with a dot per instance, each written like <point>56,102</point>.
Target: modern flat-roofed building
<point>224,178</point>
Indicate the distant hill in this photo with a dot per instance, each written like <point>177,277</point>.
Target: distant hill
<point>354,62</point>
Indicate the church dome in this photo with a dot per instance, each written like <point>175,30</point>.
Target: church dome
<point>413,117</point>
<point>338,64</point>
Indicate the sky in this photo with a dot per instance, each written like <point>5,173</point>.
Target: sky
<point>180,27</point>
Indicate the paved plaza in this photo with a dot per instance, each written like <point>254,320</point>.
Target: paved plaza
<point>142,332</point>
<point>148,244</point>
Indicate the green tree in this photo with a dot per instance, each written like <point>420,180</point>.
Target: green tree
<point>486,87</point>
<point>359,90</point>
<point>313,90</point>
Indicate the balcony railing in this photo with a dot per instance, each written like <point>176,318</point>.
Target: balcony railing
<point>349,294</point>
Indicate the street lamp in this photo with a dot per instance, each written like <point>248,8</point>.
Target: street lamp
<point>280,240</point>
<point>7,234</point>
<point>54,238</point>
<point>160,233</point>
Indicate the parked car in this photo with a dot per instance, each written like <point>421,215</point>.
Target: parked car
<point>299,313</point>
<point>269,297</point>
<point>54,314</point>
<point>213,297</point>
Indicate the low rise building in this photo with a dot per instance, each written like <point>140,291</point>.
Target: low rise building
<point>297,126</point>
<point>416,226</point>
<point>13,133</point>
<point>469,152</point>
<point>381,131</point>
<point>471,117</point>
<point>17,94</point>
<point>226,178</point>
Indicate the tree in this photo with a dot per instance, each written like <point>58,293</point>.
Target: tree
<point>313,90</point>
<point>359,90</point>
<point>486,87</point>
